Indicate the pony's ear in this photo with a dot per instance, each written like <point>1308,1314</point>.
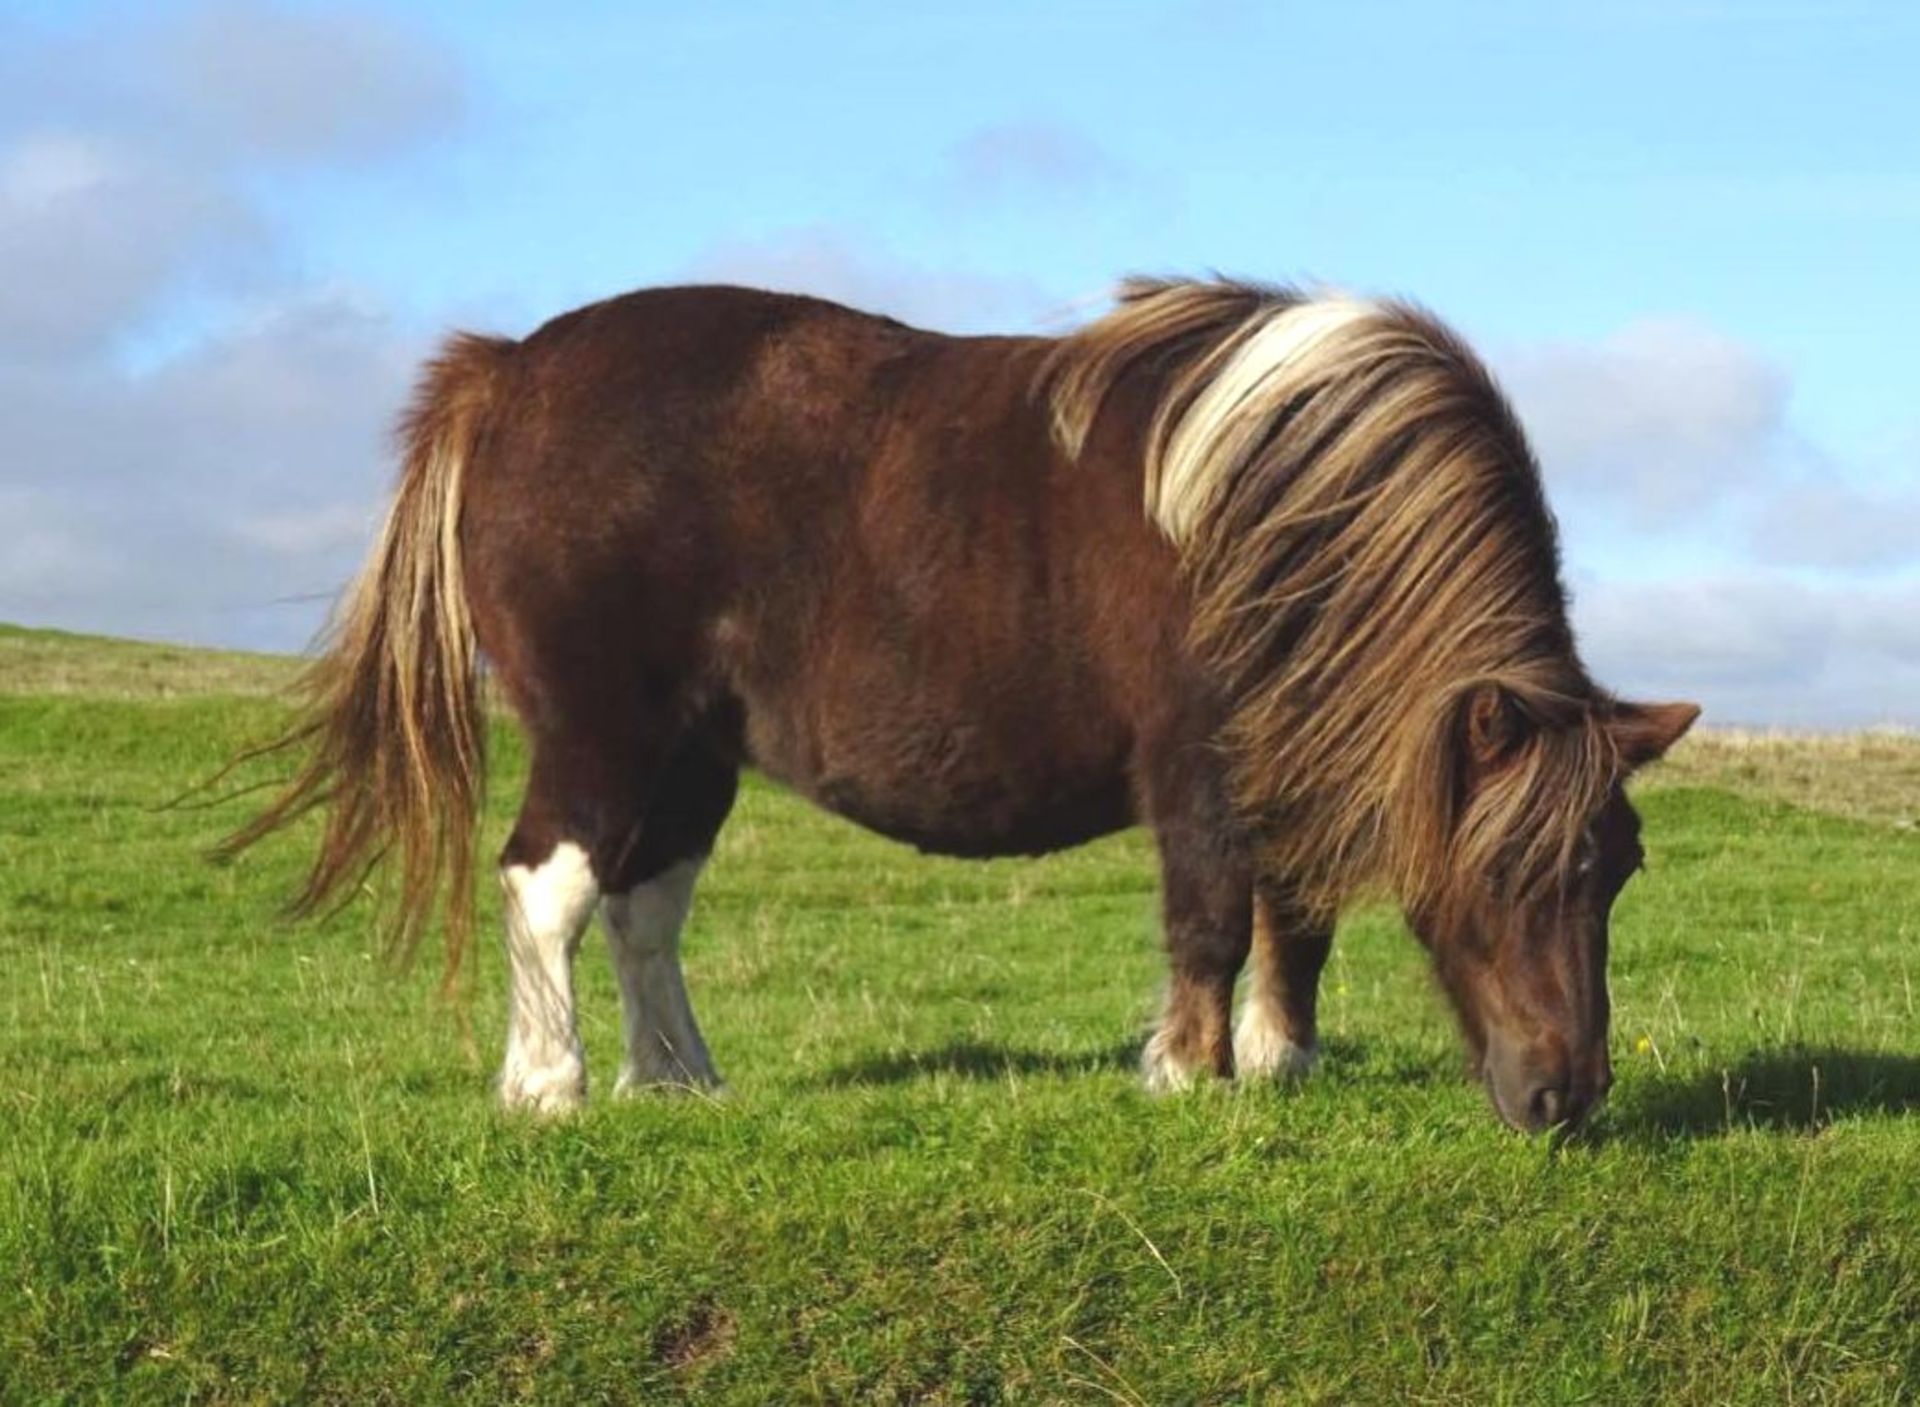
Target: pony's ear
<point>1643,732</point>
<point>1494,726</point>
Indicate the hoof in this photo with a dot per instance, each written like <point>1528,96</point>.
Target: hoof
<point>636,1084</point>
<point>546,1093</point>
<point>658,1069</point>
<point>1262,1052</point>
<point>1163,1072</point>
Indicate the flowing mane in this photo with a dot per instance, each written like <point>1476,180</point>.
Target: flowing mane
<point>1368,549</point>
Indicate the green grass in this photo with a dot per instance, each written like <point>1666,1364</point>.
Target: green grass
<point>243,1161</point>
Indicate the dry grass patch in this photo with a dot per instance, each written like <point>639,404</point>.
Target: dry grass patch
<point>45,662</point>
<point>1870,775</point>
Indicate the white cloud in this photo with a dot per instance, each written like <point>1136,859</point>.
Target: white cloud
<point>1717,552</point>
<point>129,152</point>
<point>93,231</point>
<point>1831,523</point>
<point>1743,631</point>
<point>831,264</point>
<point>220,498</point>
<point>225,81</point>
<point>330,528</point>
<point>1760,647</point>
<point>44,559</point>
<point>1033,160</point>
<point>1669,430</point>
<point>334,84</point>
<point>224,493</point>
<point>1663,417</point>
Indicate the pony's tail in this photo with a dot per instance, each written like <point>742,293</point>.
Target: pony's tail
<point>393,731</point>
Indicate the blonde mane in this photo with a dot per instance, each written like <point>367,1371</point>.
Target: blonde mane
<point>1368,550</point>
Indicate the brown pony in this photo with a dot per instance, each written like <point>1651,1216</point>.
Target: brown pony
<point>1272,574</point>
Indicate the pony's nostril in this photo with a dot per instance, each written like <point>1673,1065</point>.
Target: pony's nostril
<point>1548,1106</point>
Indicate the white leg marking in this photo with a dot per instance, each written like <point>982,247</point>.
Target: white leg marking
<point>664,1046</point>
<point>1161,1069</point>
<point>548,907</point>
<point>1261,1046</point>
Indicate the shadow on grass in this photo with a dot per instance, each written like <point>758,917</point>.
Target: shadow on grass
<point>1794,1089</point>
<point>979,1060</point>
<point>156,1090</point>
<point>982,1060</point>
<point>1797,1089</point>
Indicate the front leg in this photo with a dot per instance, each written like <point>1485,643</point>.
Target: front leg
<point>1208,925</point>
<point>1276,1034</point>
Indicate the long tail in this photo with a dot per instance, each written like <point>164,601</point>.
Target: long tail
<point>393,731</point>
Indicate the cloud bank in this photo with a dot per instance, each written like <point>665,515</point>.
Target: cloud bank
<point>219,492</point>
<point>1715,551</point>
<point>197,428</point>
<point>831,263</point>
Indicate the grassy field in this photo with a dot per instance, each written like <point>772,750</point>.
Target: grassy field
<point>240,1161</point>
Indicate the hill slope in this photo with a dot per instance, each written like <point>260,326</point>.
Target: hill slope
<point>247,1162</point>
<point>59,662</point>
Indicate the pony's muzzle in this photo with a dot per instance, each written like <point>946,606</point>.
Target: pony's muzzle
<point>1541,1088</point>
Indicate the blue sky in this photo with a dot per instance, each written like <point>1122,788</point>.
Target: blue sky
<point>1682,233</point>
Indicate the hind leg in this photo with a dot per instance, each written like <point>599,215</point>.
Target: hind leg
<point>548,904</point>
<point>664,1047</point>
<point>646,908</point>
<point>583,806</point>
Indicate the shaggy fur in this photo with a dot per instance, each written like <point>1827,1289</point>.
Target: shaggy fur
<point>1368,548</point>
<point>1269,574</point>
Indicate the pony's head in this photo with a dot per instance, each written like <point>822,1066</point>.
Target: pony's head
<point>1535,840</point>
<point>1375,590</point>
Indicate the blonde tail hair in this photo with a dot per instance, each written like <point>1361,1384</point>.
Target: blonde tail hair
<point>393,730</point>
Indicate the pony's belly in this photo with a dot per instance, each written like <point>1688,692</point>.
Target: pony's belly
<point>953,791</point>
<point>986,822</point>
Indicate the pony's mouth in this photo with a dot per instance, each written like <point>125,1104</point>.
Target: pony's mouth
<point>1540,1107</point>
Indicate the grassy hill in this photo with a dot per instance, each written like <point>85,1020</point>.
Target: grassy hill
<point>243,1161</point>
<point>59,662</point>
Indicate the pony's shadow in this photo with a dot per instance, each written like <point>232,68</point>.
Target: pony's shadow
<point>1792,1088</point>
<point>979,1060</point>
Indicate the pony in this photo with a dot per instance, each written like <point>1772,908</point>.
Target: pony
<point>1268,572</point>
